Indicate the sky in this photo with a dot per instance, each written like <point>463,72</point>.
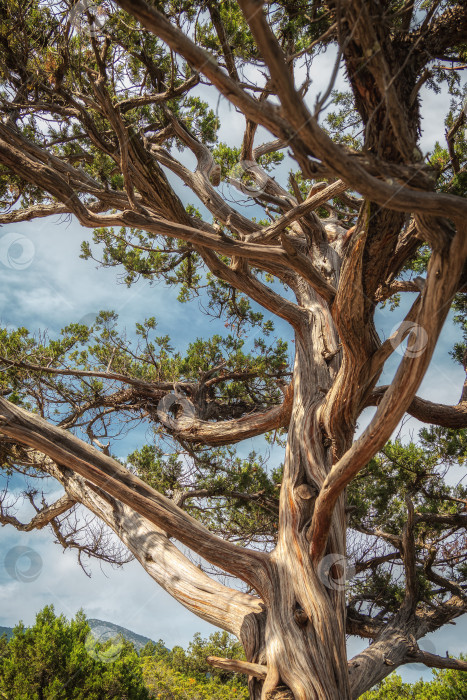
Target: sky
<point>49,286</point>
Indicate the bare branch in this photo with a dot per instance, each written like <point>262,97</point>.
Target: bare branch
<point>107,474</point>
<point>229,432</point>
<point>42,517</point>
<point>238,666</point>
<point>348,168</point>
<point>271,232</point>
<point>429,412</point>
<point>434,661</point>
<point>159,98</point>
<point>164,562</point>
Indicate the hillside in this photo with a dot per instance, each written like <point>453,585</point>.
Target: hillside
<point>103,630</point>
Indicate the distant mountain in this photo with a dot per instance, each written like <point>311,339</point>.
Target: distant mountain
<point>6,630</point>
<point>103,631</point>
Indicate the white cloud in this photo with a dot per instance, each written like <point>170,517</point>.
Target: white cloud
<point>126,596</point>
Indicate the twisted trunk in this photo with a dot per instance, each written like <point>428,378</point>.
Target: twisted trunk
<point>301,637</point>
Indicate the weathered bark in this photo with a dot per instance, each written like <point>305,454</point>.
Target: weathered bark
<point>303,644</point>
<point>161,559</point>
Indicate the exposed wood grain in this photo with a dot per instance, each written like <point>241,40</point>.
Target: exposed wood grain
<point>237,666</point>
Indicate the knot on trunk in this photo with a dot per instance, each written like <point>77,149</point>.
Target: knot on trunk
<point>306,492</point>
<point>300,617</point>
<point>280,693</point>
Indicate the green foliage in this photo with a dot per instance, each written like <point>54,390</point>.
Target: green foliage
<point>56,659</point>
<point>378,501</point>
<point>343,122</point>
<point>393,688</point>
<point>243,379</point>
<point>460,318</point>
<point>51,661</point>
<point>445,685</point>
<point>180,673</point>
<point>236,498</point>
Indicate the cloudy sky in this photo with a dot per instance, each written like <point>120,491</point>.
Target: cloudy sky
<point>55,287</point>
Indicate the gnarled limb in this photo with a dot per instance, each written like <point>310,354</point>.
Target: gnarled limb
<point>397,644</point>
<point>159,98</point>
<point>273,231</point>
<point>107,474</point>
<point>427,411</point>
<point>387,652</point>
<point>441,286</point>
<point>349,168</point>
<point>435,661</point>
<point>42,517</point>
<point>164,562</point>
<point>229,432</point>
<point>237,666</point>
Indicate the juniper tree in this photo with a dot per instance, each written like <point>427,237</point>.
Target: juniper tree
<point>100,106</point>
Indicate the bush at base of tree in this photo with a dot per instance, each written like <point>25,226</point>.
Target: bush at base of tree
<point>165,683</point>
<point>175,674</point>
<point>51,661</point>
<point>446,685</point>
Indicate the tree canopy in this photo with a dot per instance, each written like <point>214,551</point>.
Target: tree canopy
<point>324,210</point>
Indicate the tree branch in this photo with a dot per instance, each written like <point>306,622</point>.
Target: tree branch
<point>427,411</point>
<point>106,473</point>
<point>229,432</point>
<point>164,562</point>
<point>345,166</point>
<point>446,31</point>
<point>408,556</point>
<point>444,271</point>
<point>271,232</point>
<point>159,98</point>
<point>42,517</point>
<point>435,661</point>
<point>238,666</point>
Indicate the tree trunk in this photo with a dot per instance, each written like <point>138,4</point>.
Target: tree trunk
<point>302,638</point>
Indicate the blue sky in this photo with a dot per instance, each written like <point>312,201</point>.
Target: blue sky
<point>57,288</point>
